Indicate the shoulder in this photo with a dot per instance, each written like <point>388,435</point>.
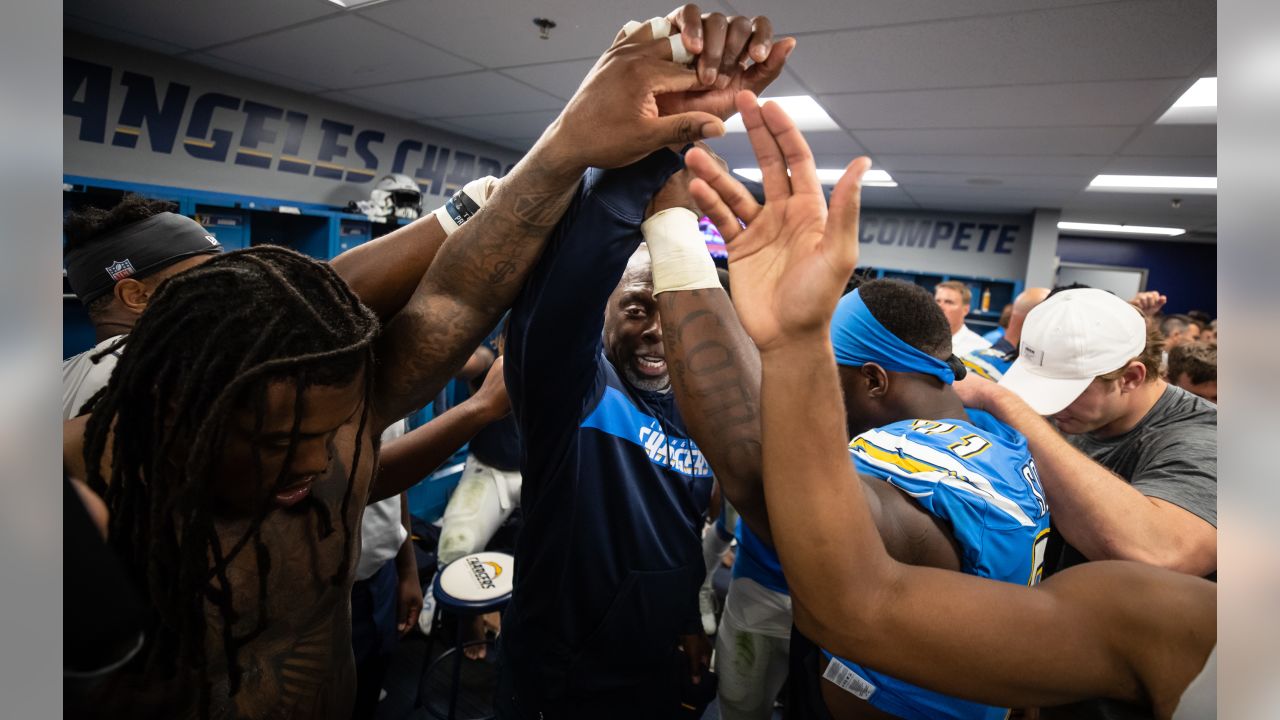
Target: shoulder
<point>1180,418</point>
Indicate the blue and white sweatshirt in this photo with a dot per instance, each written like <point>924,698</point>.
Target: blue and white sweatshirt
<point>609,560</point>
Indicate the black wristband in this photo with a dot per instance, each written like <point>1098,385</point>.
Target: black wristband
<point>461,207</point>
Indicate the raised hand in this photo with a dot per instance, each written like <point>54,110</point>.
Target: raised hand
<point>725,46</point>
<point>1149,303</point>
<point>791,262</point>
<point>613,119</point>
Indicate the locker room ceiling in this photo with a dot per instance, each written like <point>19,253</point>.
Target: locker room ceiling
<point>973,105</point>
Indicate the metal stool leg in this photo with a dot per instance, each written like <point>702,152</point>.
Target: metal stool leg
<point>457,667</point>
<point>418,700</point>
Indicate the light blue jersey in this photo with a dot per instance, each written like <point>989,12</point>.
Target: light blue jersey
<point>979,477</point>
<point>990,363</point>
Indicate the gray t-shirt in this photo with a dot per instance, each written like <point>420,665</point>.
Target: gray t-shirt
<point>1172,454</point>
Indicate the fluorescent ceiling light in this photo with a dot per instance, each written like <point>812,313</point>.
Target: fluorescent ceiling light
<point>830,176</point>
<point>1122,229</point>
<point>349,4</point>
<point>804,110</point>
<point>1204,93</point>
<point>1154,184</point>
<point>1197,106</point>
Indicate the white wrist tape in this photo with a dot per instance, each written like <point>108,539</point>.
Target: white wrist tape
<point>465,203</point>
<point>679,252</point>
<point>662,29</point>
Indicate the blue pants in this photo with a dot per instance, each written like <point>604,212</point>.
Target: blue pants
<point>373,634</point>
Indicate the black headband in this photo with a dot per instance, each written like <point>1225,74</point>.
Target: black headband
<point>135,251</point>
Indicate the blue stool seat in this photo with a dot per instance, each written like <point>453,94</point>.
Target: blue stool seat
<point>469,586</point>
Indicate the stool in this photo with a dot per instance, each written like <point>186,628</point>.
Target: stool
<point>469,586</point>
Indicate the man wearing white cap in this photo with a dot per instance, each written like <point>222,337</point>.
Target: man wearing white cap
<point>1136,476</point>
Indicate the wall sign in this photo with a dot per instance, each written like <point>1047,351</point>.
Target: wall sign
<point>136,116</point>
<point>994,246</point>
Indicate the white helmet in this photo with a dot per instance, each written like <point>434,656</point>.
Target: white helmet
<point>396,195</point>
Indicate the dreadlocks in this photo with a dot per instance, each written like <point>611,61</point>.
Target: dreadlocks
<point>210,343</point>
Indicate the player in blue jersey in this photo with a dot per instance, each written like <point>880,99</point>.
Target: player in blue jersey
<point>1071,637</point>
<point>965,468</point>
<point>953,489</point>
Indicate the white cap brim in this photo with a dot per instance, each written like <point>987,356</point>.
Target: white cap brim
<point>1045,395</point>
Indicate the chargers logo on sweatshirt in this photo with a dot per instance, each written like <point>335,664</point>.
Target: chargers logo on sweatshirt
<point>617,416</point>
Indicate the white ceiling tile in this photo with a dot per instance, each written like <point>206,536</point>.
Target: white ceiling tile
<point>925,194</point>
<point>1195,166</point>
<point>456,128</point>
<point>1016,183</point>
<point>504,125</point>
<point>470,94</point>
<point>884,197</point>
<point>1138,39</point>
<point>365,104</point>
<point>73,25</point>
<point>1179,140</point>
<point>252,72</point>
<point>520,144</point>
<point>1154,203</point>
<point>498,33</point>
<point>984,205</point>
<point>199,24</point>
<point>798,16</point>
<point>833,142</point>
<point>986,165</point>
<point>787,84</point>
<point>1057,105</point>
<point>560,79</point>
<point>344,52</point>
<point>828,146</point>
<point>1013,141</point>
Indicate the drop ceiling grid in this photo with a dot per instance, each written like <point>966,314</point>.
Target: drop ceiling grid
<point>1028,92</point>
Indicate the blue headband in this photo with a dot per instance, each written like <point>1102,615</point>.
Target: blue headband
<point>859,338</point>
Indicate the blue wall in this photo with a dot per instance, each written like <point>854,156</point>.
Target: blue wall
<point>1186,272</point>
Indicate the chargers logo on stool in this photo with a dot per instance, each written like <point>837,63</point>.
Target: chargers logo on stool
<point>479,570</point>
<point>483,578</point>
<point>120,269</point>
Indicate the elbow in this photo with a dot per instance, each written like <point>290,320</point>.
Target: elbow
<point>1193,556</point>
<point>855,619</point>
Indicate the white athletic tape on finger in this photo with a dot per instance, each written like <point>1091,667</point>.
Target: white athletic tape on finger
<point>679,55</point>
<point>660,26</point>
<point>678,251</point>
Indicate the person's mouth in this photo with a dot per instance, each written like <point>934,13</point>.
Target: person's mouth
<point>651,365</point>
<point>296,492</point>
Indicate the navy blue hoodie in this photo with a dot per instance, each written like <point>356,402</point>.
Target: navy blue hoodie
<point>608,562</point>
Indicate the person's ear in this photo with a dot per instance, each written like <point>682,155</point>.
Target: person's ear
<point>133,295</point>
<point>1135,375</point>
<point>877,380</point>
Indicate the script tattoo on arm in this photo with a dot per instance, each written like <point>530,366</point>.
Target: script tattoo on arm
<point>715,372</point>
<point>473,280</point>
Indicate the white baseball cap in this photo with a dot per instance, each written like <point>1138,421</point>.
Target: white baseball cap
<point>1070,339</point>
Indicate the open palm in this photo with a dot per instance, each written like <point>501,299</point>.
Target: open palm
<point>791,262</point>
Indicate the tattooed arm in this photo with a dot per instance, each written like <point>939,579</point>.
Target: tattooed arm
<point>612,120</point>
<point>384,272</point>
<point>715,372</point>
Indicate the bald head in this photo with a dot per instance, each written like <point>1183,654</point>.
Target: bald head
<point>1023,304</point>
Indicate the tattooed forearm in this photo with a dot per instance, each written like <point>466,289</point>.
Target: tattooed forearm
<point>475,277</point>
<point>715,372</point>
